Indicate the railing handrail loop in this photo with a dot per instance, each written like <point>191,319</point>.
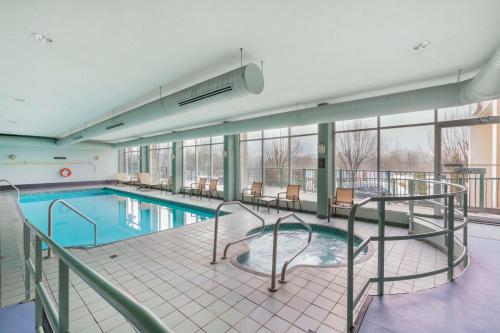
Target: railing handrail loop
<point>78,212</point>
<point>14,186</point>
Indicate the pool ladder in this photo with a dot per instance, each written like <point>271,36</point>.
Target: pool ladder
<point>273,286</point>
<point>217,215</point>
<point>280,219</point>
<point>64,203</point>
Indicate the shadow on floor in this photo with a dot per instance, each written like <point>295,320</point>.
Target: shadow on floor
<point>471,303</point>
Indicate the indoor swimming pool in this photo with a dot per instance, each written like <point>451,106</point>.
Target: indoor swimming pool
<point>328,248</point>
<point>118,215</point>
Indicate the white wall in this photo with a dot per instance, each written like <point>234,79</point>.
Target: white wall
<point>38,165</point>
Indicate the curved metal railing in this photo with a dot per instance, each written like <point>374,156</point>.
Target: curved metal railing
<point>448,231</point>
<point>280,219</point>
<point>14,186</point>
<point>138,315</point>
<point>216,229</point>
<point>79,213</point>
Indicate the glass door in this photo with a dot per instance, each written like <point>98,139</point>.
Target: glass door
<point>470,156</point>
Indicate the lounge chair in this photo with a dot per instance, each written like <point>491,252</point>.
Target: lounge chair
<point>212,188</point>
<point>122,179</point>
<point>252,193</point>
<point>344,198</point>
<point>292,195</point>
<point>145,181</point>
<point>197,187</point>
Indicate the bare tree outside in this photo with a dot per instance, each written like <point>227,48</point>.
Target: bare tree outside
<point>355,148</point>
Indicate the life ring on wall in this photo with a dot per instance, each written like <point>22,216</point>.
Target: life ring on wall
<point>65,172</point>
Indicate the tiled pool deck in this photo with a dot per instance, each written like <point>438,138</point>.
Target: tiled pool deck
<point>170,273</point>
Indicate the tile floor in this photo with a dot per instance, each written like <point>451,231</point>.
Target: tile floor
<point>170,273</point>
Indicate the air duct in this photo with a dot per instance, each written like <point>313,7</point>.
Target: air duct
<point>236,83</point>
<point>37,142</point>
<point>484,86</point>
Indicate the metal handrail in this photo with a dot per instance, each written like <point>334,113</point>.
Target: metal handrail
<point>273,287</point>
<point>14,186</point>
<point>216,228</point>
<point>141,317</point>
<point>62,202</point>
<point>448,231</point>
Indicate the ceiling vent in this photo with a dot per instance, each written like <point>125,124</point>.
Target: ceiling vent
<point>115,125</point>
<point>77,137</point>
<point>206,95</point>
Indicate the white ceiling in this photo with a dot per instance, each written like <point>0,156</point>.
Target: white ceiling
<point>111,55</point>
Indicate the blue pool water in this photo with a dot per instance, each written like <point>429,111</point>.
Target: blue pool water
<point>119,215</point>
<point>328,247</point>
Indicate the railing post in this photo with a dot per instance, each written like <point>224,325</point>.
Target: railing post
<point>27,255</point>
<point>451,238</point>
<point>38,281</point>
<point>350,269</point>
<point>381,245</point>
<point>63,297</point>
<point>49,227</point>
<point>273,287</point>
<point>411,203</point>
<point>465,232</point>
<point>481,191</point>
<point>216,230</point>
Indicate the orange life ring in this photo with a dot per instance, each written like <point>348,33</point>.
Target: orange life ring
<point>65,172</point>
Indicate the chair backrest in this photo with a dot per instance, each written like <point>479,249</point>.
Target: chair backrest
<point>345,195</point>
<point>213,184</point>
<point>122,177</point>
<point>170,181</point>
<point>202,182</point>
<point>292,192</point>
<point>144,177</point>
<point>256,189</point>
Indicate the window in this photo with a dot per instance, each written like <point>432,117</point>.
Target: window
<point>160,163</point>
<point>279,157</point>
<point>132,160</point>
<point>476,110</point>
<point>204,158</point>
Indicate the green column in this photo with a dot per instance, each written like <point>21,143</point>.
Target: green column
<point>177,177</point>
<point>121,160</point>
<point>325,175</point>
<point>144,165</point>
<point>229,167</point>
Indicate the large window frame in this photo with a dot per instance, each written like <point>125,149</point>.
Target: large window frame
<point>282,139</point>
<point>132,160</point>
<point>215,147</point>
<point>160,171</point>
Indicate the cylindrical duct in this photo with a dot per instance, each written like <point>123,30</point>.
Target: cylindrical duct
<point>239,82</point>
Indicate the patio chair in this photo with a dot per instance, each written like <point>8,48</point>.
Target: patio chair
<point>122,179</point>
<point>145,181</point>
<point>344,198</point>
<point>292,195</point>
<point>252,193</point>
<point>167,185</point>
<point>212,188</point>
<point>197,187</point>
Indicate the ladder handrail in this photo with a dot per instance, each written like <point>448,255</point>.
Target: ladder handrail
<point>216,228</point>
<point>14,186</point>
<point>58,315</point>
<point>62,202</point>
<point>273,287</point>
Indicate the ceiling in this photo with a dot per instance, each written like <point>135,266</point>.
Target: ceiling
<point>109,56</point>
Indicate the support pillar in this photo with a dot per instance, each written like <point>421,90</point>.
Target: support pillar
<point>177,177</point>
<point>144,162</point>
<point>326,170</point>
<point>229,167</point>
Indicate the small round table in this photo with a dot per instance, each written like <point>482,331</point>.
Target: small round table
<point>267,201</point>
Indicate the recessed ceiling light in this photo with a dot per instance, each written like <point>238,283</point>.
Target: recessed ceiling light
<point>422,45</point>
<point>41,38</point>
<point>22,100</point>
